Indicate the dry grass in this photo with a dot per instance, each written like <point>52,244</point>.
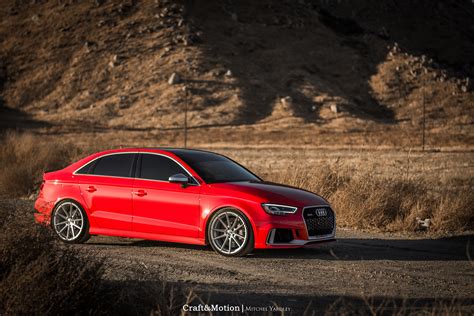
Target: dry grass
<point>372,201</point>
<point>24,158</point>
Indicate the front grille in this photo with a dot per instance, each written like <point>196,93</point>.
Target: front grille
<point>319,220</point>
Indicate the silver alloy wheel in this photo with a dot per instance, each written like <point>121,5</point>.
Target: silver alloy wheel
<point>229,232</point>
<point>68,221</point>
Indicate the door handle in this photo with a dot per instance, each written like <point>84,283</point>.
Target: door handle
<point>91,189</point>
<point>139,193</point>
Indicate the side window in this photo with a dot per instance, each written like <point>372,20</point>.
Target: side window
<point>155,167</point>
<point>118,165</point>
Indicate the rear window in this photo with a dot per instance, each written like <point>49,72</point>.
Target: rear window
<point>86,169</point>
<point>118,165</point>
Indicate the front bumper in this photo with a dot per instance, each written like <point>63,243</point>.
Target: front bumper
<point>292,231</point>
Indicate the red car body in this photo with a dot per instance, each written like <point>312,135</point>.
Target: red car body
<point>160,210</point>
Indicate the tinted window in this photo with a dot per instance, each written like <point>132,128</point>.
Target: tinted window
<point>215,168</point>
<point>86,169</point>
<point>157,167</point>
<point>118,165</point>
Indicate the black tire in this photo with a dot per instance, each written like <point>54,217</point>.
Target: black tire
<point>60,211</point>
<point>248,244</point>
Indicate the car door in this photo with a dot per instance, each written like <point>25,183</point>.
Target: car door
<point>161,207</point>
<point>106,185</point>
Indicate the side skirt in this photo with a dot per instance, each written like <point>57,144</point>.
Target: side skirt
<point>149,236</point>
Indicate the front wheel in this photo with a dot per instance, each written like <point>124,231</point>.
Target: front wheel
<point>69,222</point>
<point>230,233</point>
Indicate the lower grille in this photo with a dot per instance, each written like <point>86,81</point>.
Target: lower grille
<point>319,220</point>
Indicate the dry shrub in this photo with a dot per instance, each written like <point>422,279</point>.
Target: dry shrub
<point>453,211</point>
<point>40,276</point>
<point>366,200</point>
<point>24,158</point>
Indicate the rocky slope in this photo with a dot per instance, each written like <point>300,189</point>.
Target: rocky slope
<point>251,68</point>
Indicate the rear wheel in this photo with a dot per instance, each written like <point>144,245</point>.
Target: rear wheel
<point>230,233</point>
<point>69,222</point>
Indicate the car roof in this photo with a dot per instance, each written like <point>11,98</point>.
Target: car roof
<point>173,150</point>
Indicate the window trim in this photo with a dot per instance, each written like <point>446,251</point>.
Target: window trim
<point>136,167</point>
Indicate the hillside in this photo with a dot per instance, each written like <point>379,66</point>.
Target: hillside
<point>266,72</point>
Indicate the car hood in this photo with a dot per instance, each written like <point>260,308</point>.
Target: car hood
<point>274,193</point>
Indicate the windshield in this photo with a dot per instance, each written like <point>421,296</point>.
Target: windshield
<point>213,168</point>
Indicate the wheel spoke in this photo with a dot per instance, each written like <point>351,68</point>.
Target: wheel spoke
<point>223,224</point>
<point>221,236</point>
<point>65,217</point>
<point>219,230</point>
<point>227,219</point>
<point>60,223</point>
<point>230,245</point>
<point>235,240</point>
<point>74,225</point>
<point>240,236</point>
<point>62,229</point>
<point>239,227</point>
<point>225,241</point>
<point>235,222</point>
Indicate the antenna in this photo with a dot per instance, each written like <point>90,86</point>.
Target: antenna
<point>185,116</point>
<point>424,119</point>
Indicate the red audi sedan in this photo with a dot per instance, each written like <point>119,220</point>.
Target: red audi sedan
<point>179,195</point>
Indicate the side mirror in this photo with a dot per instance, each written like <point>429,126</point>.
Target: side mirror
<point>179,178</point>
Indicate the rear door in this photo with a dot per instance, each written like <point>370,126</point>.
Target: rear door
<point>106,186</point>
<point>161,207</point>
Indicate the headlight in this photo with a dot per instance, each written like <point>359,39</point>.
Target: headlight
<point>276,209</point>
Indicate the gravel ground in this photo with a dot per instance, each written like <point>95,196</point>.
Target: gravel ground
<point>384,269</point>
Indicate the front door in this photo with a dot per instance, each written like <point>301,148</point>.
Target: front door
<point>161,207</point>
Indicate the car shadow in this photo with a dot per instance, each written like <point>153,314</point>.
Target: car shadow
<point>350,249</point>
<point>458,248</point>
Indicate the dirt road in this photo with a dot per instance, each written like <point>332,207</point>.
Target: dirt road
<point>401,270</point>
